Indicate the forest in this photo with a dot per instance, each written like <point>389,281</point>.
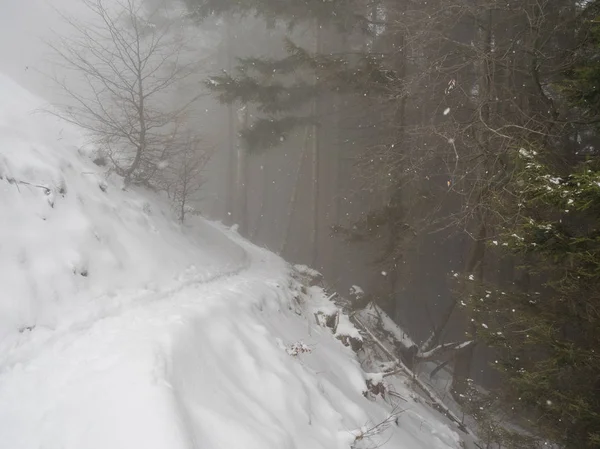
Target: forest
<point>448,149</point>
<point>433,163</point>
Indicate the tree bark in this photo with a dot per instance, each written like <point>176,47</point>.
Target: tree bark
<point>241,181</point>
<point>263,199</point>
<point>314,240</point>
<point>230,206</point>
<point>474,266</point>
<point>294,198</point>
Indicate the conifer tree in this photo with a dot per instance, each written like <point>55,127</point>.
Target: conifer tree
<point>549,334</point>
<point>445,93</point>
<point>547,329</point>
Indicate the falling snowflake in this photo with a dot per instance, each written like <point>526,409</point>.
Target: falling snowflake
<point>451,86</point>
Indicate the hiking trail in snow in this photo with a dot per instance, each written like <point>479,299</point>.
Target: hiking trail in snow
<point>121,329</point>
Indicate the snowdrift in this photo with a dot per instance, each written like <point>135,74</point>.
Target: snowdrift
<point>69,234</point>
<point>121,329</point>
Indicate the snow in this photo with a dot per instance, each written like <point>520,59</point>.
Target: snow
<point>357,291</point>
<point>346,328</point>
<point>322,306</point>
<point>78,236</point>
<point>373,313</point>
<point>121,329</point>
<point>307,271</point>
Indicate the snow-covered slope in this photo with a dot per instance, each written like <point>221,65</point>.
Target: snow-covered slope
<point>119,329</point>
<point>69,235</point>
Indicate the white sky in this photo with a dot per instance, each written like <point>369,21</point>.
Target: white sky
<point>24,25</point>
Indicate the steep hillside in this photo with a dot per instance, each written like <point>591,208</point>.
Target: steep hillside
<point>121,329</point>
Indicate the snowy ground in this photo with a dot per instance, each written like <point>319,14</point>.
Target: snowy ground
<point>120,329</point>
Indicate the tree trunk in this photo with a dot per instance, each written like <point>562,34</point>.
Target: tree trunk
<point>241,181</point>
<point>474,267</point>
<point>263,199</point>
<point>230,212</point>
<point>334,205</point>
<point>396,44</point>
<point>314,240</point>
<point>294,198</point>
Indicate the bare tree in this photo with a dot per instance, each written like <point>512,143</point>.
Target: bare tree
<point>293,203</point>
<point>120,66</point>
<point>183,178</point>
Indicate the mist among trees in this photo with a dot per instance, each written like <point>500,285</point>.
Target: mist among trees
<point>441,155</point>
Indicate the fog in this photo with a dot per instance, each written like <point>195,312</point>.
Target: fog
<point>386,144</point>
<point>278,184</point>
<point>24,29</point>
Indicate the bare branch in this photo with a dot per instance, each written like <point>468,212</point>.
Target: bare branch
<point>119,66</point>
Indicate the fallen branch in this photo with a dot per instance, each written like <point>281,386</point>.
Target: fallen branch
<point>368,432</point>
<point>442,349</point>
<point>436,402</point>
<point>438,369</point>
<point>16,182</point>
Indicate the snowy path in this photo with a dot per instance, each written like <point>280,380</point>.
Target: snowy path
<point>202,366</point>
<point>121,329</point>
<point>117,368</point>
